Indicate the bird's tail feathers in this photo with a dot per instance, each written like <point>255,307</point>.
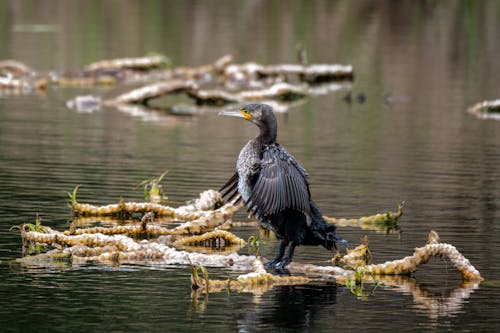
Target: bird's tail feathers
<point>324,230</point>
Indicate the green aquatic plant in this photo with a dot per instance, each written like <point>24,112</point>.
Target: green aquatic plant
<point>356,285</point>
<point>254,245</point>
<point>153,190</point>
<point>72,196</point>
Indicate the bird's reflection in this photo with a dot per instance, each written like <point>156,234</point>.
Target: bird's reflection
<point>293,307</point>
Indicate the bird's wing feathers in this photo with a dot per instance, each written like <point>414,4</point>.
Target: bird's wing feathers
<point>229,191</point>
<point>281,183</point>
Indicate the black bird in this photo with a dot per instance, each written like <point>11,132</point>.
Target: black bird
<point>275,189</point>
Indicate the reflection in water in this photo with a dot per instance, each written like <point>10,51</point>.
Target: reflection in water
<point>295,307</point>
<point>434,305</point>
<point>302,307</point>
<point>440,57</point>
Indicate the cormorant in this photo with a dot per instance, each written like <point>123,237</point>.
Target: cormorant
<point>275,189</point>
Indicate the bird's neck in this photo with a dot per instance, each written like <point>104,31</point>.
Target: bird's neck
<point>268,134</point>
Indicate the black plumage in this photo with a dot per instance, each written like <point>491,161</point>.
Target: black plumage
<point>275,189</point>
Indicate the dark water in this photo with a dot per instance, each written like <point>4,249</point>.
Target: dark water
<point>420,64</point>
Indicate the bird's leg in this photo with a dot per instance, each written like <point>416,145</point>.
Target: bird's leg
<point>277,259</point>
<point>288,259</point>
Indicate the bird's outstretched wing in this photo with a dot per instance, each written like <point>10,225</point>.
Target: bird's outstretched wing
<point>229,191</point>
<point>281,184</point>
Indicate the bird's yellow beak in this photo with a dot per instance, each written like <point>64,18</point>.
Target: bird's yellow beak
<point>240,114</point>
<point>245,114</point>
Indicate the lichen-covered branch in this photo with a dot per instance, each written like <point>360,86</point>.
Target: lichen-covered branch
<point>422,255</point>
<point>216,238</point>
<point>120,248</point>
<point>258,280</point>
<point>206,221</point>
<point>359,271</point>
<point>208,200</point>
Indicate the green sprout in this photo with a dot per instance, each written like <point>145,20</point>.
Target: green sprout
<point>355,283</point>
<point>72,196</point>
<point>254,245</point>
<point>153,190</point>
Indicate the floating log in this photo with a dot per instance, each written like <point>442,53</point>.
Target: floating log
<point>207,220</point>
<point>422,255</point>
<point>155,90</point>
<point>216,238</point>
<point>139,63</point>
<point>315,73</point>
<point>259,279</point>
<point>405,266</point>
<point>15,67</point>
<point>208,200</point>
<point>100,243</point>
<point>84,80</point>
<point>22,84</point>
<point>86,103</point>
<point>280,91</point>
<point>120,248</point>
<point>486,109</point>
<point>358,257</point>
<point>126,248</point>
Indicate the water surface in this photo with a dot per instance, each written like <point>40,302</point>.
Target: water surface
<point>420,65</point>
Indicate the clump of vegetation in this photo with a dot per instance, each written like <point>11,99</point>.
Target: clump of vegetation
<point>153,190</point>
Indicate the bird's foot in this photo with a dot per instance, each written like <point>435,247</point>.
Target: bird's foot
<point>271,264</point>
<point>281,265</point>
<point>278,265</point>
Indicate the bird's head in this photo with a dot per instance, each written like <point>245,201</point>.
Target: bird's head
<point>261,115</point>
<point>331,239</point>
